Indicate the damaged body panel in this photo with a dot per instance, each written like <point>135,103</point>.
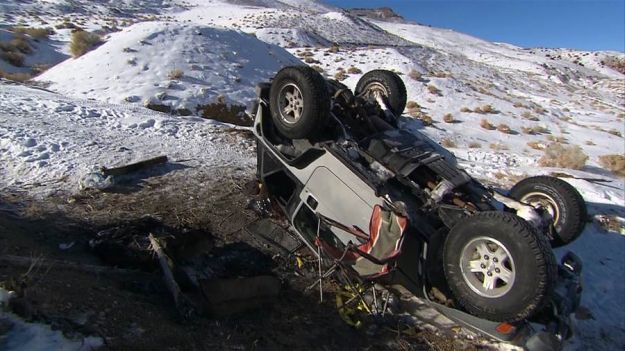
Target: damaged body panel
<point>343,172</point>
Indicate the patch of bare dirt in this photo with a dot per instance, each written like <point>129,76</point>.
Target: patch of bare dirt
<point>62,281</point>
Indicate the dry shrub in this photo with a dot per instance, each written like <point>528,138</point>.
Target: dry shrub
<point>613,163</point>
<point>354,70</point>
<point>498,146</point>
<point>411,105</point>
<point>340,75</point>
<point>318,68</point>
<point>474,145</point>
<point>306,54</point>
<point>334,49</point>
<point>484,123</point>
<point>426,119</point>
<point>17,77</point>
<point>449,118</point>
<point>434,90</point>
<point>446,142</point>
<point>39,68</point>
<point>617,64</point>
<point>557,139</point>
<point>518,105</point>
<point>175,74</point>
<point>485,109</point>
<point>13,58</point>
<point>615,132</point>
<point>558,155</point>
<point>590,142</point>
<point>440,74</point>
<point>504,128</point>
<point>20,43</point>
<point>36,33</point>
<point>536,145</point>
<point>83,42</point>
<point>466,109</point>
<point>528,115</point>
<point>220,111</point>
<point>414,74</point>
<point>535,130</point>
<point>310,60</point>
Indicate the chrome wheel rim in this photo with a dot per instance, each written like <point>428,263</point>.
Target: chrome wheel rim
<point>537,200</point>
<point>291,102</point>
<point>487,267</point>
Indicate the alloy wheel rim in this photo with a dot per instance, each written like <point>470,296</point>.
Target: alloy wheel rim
<point>487,267</point>
<point>291,102</point>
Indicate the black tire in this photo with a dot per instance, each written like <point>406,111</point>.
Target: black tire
<point>390,85</point>
<point>561,199</point>
<point>309,97</point>
<point>525,256</point>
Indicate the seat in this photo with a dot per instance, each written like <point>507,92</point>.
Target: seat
<point>375,254</point>
<point>360,266</point>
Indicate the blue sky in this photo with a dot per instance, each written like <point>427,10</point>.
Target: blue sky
<point>577,24</point>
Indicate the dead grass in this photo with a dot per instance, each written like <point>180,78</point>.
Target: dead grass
<point>484,123</point>
<point>590,143</point>
<point>466,109</point>
<point>175,74</point>
<point>613,163</point>
<point>446,142</point>
<point>474,145</point>
<point>615,132</point>
<point>83,42</point>
<point>558,155</point>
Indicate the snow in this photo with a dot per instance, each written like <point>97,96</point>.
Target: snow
<point>50,141</point>
<point>77,136</point>
<point>25,336</point>
<point>136,63</point>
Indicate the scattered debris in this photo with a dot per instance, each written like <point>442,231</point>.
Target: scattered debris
<point>183,305</point>
<point>105,177</point>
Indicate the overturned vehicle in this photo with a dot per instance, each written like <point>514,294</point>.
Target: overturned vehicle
<point>392,207</point>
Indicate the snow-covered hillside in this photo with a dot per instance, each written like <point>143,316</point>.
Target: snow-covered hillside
<point>495,105</point>
<point>181,66</point>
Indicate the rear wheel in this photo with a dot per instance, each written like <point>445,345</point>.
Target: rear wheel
<point>299,102</point>
<point>386,83</point>
<point>498,267</point>
<point>561,201</point>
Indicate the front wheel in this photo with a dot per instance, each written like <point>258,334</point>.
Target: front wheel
<point>561,201</point>
<point>498,267</point>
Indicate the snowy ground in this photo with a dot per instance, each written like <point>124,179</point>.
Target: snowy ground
<point>49,141</point>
